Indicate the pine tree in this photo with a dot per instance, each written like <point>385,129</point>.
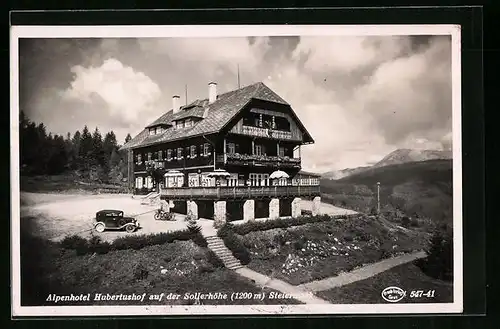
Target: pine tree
<point>76,162</point>
<point>85,149</point>
<point>128,138</point>
<point>109,143</point>
<point>58,159</point>
<point>97,148</point>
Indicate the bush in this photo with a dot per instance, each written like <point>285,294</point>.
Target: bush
<point>140,272</point>
<point>75,242</point>
<point>253,226</point>
<point>234,244</point>
<point>199,240</point>
<point>405,222</point>
<point>214,260</point>
<point>95,245</point>
<point>439,261</point>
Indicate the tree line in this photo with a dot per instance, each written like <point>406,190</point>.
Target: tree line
<point>86,153</point>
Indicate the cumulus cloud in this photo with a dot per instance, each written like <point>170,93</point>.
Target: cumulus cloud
<point>126,92</point>
<point>359,97</point>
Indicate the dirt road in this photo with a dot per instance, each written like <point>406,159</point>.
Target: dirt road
<point>57,216</point>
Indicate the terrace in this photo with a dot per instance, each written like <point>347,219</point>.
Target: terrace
<point>239,192</point>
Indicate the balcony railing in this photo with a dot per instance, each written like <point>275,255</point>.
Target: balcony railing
<point>265,132</point>
<point>259,160</point>
<point>239,192</point>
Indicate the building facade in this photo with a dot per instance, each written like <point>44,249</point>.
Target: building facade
<point>216,157</point>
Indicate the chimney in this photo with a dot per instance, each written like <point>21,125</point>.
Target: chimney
<point>176,103</point>
<point>212,92</point>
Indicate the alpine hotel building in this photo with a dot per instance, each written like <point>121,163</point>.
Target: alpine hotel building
<point>218,156</point>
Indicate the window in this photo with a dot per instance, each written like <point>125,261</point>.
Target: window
<point>149,182</point>
<point>282,151</point>
<point>193,151</point>
<point>138,182</point>
<point>160,155</point>
<point>169,154</point>
<point>206,149</point>
<point>193,180</point>
<point>231,148</point>
<point>188,123</point>
<point>260,150</point>
<point>179,153</point>
<point>180,124</point>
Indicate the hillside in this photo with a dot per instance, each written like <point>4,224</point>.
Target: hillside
<point>338,174</point>
<point>409,155</point>
<point>398,156</point>
<point>417,189</point>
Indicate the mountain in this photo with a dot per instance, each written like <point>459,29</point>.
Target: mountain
<point>422,188</point>
<point>398,156</point>
<point>409,155</point>
<point>338,174</point>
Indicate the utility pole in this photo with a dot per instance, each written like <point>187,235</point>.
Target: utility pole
<point>238,76</point>
<point>186,94</point>
<point>378,198</point>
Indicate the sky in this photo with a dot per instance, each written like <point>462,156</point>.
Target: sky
<point>360,97</point>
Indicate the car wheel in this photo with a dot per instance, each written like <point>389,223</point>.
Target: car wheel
<point>100,227</point>
<point>130,228</point>
<point>157,216</point>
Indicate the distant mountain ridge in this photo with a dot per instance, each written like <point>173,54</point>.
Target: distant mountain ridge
<point>398,156</point>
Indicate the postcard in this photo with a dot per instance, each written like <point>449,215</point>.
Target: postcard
<point>236,170</point>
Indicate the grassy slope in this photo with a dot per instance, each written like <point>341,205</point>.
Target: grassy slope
<point>408,277</point>
<point>66,183</point>
<point>47,269</point>
<point>315,251</point>
<point>416,188</point>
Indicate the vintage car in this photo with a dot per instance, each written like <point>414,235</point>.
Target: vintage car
<point>114,220</point>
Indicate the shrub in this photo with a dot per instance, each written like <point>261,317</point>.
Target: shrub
<point>214,260</point>
<point>298,244</point>
<point>252,226</point>
<point>95,245</point>
<point>75,242</point>
<point>199,240</point>
<point>193,227</point>
<point>439,261</point>
<point>405,222</point>
<point>234,244</point>
<point>140,272</point>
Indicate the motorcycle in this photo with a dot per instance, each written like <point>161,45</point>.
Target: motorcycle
<point>161,214</point>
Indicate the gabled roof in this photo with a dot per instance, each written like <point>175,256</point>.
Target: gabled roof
<point>215,116</point>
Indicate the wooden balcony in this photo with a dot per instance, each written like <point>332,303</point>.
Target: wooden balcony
<point>259,160</point>
<point>264,132</point>
<point>239,192</point>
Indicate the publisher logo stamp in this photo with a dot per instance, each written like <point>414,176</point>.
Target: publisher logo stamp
<point>393,294</point>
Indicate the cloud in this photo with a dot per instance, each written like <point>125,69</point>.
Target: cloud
<point>125,92</point>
